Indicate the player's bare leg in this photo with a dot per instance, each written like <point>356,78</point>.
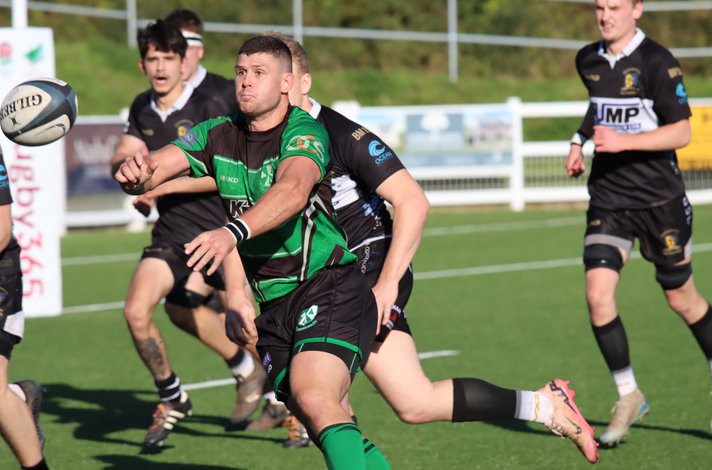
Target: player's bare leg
<point>16,424</point>
<point>151,281</point>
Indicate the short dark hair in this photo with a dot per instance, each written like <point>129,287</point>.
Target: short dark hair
<point>299,55</point>
<point>268,45</point>
<point>185,19</point>
<point>163,37</point>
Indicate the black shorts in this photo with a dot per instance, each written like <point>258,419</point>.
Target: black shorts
<point>664,232</point>
<point>370,260</point>
<point>333,312</point>
<point>176,260</point>
<point>11,315</point>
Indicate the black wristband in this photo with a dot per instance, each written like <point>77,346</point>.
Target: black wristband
<point>239,230</point>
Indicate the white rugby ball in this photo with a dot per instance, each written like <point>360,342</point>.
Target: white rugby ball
<point>39,111</point>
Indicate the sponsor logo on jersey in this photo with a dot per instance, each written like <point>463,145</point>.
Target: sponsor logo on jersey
<point>147,132</point>
<point>307,318</point>
<point>681,93</point>
<point>617,115</point>
<point>594,223</point>
<point>593,77</point>
<point>379,151</point>
<point>307,143</point>
<point>631,82</point>
<point>4,180</point>
<point>674,72</point>
<point>672,242</point>
<point>237,207</point>
<point>266,362</point>
<point>359,133</point>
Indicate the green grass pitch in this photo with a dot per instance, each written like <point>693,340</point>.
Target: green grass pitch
<point>503,289</point>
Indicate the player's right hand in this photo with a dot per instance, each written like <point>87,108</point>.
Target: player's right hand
<point>575,165</point>
<point>134,172</point>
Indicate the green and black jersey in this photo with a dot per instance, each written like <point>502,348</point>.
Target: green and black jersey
<point>244,163</point>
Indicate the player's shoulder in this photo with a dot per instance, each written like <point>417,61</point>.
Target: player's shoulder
<point>297,118</point>
<point>341,128</point>
<point>141,101</point>
<point>655,54</point>
<point>587,51</point>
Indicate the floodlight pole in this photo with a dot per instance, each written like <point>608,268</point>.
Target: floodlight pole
<point>19,14</point>
<point>298,21</point>
<point>452,39</point>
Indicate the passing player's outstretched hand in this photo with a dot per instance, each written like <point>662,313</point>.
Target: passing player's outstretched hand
<point>211,245</point>
<point>134,172</point>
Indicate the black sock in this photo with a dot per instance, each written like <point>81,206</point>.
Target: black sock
<point>169,389</point>
<point>702,329</point>
<point>613,343</point>
<point>42,465</point>
<point>236,360</point>
<point>477,400</point>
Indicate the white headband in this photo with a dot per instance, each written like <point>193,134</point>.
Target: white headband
<point>193,39</point>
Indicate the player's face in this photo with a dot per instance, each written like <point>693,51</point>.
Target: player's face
<point>193,55</point>
<point>163,69</point>
<point>261,82</point>
<point>617,21</point>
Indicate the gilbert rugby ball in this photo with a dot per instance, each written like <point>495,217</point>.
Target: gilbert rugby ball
<point>39,111</point>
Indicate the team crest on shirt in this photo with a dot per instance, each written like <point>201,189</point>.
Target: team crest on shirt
<point>681,93</point>
<point>183,127</point>
<point>306,143</point>
<point>593,77</point>
<point>631,82</point>
<point>672,242</point>
<point>147,132</point>
<point>307,318</point>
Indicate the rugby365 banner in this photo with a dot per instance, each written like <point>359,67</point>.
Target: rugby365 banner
<point>37,177</point>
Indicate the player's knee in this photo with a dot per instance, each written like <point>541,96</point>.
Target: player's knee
<point>137,317</point>
<point>673,277</point>
<point>599,255</point>
<point>309,402</point>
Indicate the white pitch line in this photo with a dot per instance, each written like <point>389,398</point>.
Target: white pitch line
<point>441,274</point>
<point>502,226</point>
<point>231,381</point>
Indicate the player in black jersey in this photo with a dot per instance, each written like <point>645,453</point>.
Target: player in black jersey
<point>366,173</point>
<point>638,115</point>
<point>20,401</point>
<point>165,112</point>
<point>191,26</point>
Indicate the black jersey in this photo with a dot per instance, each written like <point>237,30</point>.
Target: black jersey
<point>361,162</point>
<point>221,87</point>
<point>637,92</point>
<point>181,216</point>
<point>10,256</point>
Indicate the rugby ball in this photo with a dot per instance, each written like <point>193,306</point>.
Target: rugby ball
<point>39,111</point>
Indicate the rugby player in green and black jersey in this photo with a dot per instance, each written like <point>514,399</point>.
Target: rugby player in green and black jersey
<point>20,401</point>
<point>317,317</point>
<point>166,112</point>
<point>638,115</point>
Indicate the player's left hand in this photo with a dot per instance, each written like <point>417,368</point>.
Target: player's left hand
<point>211,245</point>
<point>386,294</point>
<point>607,140</point>
<point>240,323</point>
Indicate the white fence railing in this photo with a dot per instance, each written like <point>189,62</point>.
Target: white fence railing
<point>536,174</point>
